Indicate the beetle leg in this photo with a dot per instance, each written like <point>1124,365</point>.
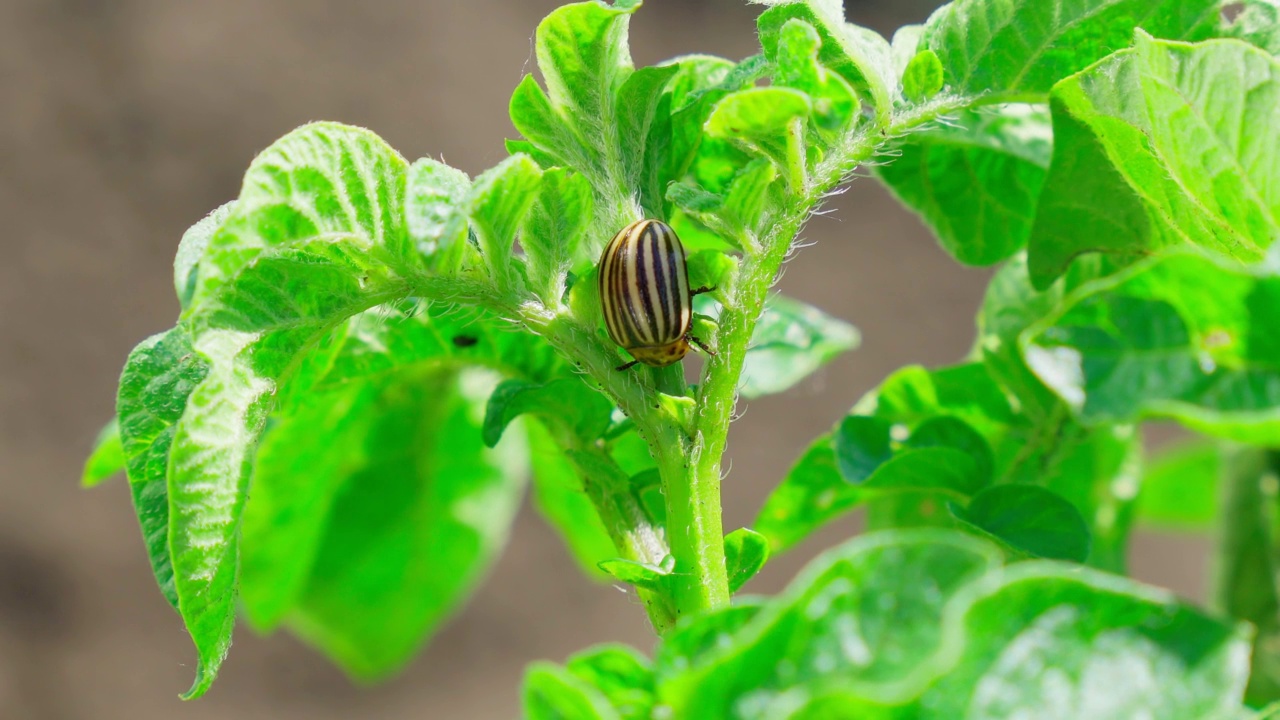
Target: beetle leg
<point>626,366</point>
<point>700,344</point>
<point>703,289</point>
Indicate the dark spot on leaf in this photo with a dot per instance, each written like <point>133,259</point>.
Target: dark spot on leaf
<point>464,341</point>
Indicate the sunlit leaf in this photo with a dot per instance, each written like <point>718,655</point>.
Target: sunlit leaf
<point>1151,150</point>
<point>976,180</point>
<point>1009,50</point>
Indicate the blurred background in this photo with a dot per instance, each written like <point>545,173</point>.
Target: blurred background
<point>123,122</point>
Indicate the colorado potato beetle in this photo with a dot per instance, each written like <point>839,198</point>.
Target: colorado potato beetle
<point>644,294</point>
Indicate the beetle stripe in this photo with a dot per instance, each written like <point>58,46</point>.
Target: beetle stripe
<point>617,294</point>
<point>635,304</point>
<point>608,291</point>
<point>680,271</point>
<point>679,293</point>
<point>639,284</point>
<point>623,298</point>
<point>660,256</point>
<point>649,282</point>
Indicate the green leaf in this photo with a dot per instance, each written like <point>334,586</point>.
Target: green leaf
<point>553,141</point>
<point>499,201</point>
<point>697,75</point>
<point>926,437</point>
<point>208,473</point>
<point>560,498</point>
<point>1011,50</point>
<point>737,217</point>
<point>790,342</point>
<point>1095,470</point>
<point>952,433</point>
<point>859,55</point>
<point>155,386</point>
<point>553,693</point>
<point>317,235</point>
<point>1032,519</point>
<point>553,231</point>
<point>1011,306</point>
<point>191,248</point>
<point>864,615</point>
<point>1258,24</point>
<point>1270,712</point>
<point>388,338</point>
<point>812,494</point>
<point>545,160</point>
<point>417,511</point>
<point>337,385</point>
<point>1149,153</point>
<point>967,392</point>
<point>718,161</point>
<point>642,575</point>
<point>1118,650</point>
<point>922,78</point>
<point>107,457</point>
<point>644,132</point>
<point>568,402</point>
<point>942,458</point>
<point>797,66</point>
<point>862,445</point>
<point>975,181</point>
<point>318,226</point>
<point>583,55</point>
<point>695,92</point>
<point>435,212</point>
<point>745,202</point>
<point>942,454</point>
<point>872,459</point>
<point>767,120</point>
<point>582,52</point>
<point>925,623</point>
<point>695,200</point>
<point>836,704</point>
<point>621,674</point>
<point>1180,489</point>
<point>745,553</point>
<point>1178,337</point>
<point>697,640</point>
<point>758,114</point>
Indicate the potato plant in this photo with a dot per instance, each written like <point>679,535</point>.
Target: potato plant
<point>375,357</point>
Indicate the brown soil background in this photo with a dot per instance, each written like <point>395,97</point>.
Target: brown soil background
<point>123,122</point>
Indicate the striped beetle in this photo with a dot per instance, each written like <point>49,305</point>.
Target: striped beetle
<point>644,294</point>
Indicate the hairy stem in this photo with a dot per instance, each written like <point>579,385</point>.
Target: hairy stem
<point>697,535</point>
<point>633,533</point>
<point>692,480</point>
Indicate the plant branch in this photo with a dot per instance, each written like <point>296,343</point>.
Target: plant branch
<point>689,457</point>
<point>693,501</point>
<point>633,533</point>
